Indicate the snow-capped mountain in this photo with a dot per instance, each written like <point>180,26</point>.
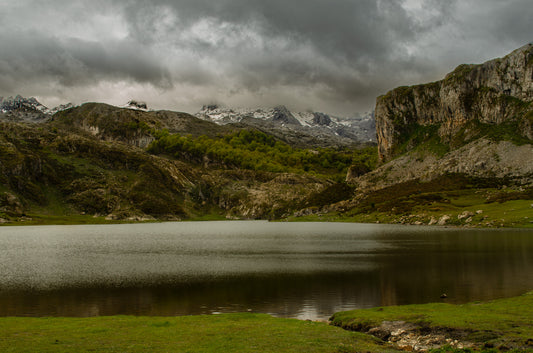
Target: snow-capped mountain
<point>8,104</point>
<point>330,130</point>
<point>27,109</point>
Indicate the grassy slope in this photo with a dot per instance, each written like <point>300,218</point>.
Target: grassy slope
<point>499,323</point>
<point>488,203</point>
<point>215,333</point>
<point>509,214</point>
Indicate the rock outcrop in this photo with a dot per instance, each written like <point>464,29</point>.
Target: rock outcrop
<point>497,92</point>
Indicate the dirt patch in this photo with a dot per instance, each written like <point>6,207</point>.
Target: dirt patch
<point>421,337</point>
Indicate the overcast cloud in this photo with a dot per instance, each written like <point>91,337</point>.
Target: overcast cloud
<point>334,56</point>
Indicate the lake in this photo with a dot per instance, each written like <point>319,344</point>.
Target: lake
<point>299,270</point>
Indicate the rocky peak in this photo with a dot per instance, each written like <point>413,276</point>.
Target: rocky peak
<point>209,107</point>
<point>497,92</point>
<point>28,109</point>
<point>137,105</point>
<point>282,115</point>
<point>19,102</point>
<point>321,119</point>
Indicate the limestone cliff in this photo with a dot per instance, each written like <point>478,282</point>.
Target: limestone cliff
<point>461,107</point>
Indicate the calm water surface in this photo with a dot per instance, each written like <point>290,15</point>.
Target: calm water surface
<point>300,270</point>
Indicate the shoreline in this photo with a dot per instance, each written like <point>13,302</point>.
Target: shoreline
<point>35,220</point>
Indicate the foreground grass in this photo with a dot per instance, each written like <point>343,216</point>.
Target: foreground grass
<point>215,333</point>
<point>499,325</point>
<point>503,324</point>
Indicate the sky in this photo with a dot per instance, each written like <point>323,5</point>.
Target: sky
<point>332,56</point>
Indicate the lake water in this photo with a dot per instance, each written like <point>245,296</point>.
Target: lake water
<point>300,270</point>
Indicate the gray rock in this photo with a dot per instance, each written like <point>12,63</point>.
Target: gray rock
<point>465,214</point>
<point>443,220</point>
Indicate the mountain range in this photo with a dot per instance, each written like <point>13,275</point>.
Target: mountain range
<point>324,129</point>
<point>304,129</point>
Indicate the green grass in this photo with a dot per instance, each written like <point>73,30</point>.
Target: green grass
<point>504,323</point>
<point>215,333</point>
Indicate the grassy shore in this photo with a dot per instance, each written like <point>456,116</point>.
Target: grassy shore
<point>215,333</point>
<point>499,325</point>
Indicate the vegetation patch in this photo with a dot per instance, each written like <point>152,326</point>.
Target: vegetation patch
<point>257,151</point>
<point>423,138</point>
<point>332,194</point>
<point>460,73</point>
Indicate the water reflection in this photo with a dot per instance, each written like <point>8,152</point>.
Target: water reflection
<point>301,270</point>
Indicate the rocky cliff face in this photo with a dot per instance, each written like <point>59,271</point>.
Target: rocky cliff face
<point>498,92</point>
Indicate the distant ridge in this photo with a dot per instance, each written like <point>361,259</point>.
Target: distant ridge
<point>280,120</point>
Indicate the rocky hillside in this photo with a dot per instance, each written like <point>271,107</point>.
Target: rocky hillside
<point>472,101</point>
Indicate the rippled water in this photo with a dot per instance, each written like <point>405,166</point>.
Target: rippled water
<point>302,270</point>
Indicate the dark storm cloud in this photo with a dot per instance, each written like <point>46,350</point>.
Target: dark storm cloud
<point>33,56</point>
<point>355,33</point>
<point>333,55</point>
<point>330,46</point>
